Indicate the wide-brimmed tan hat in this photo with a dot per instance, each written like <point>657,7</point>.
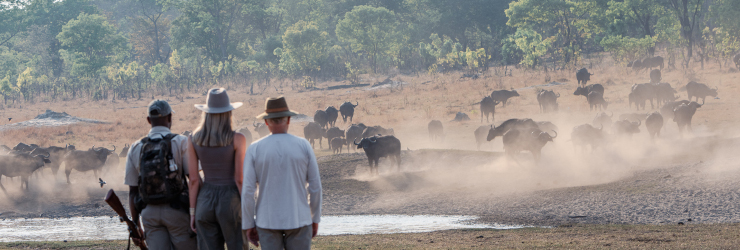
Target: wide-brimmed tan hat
<point>276,108</point>
<point>218,102</point>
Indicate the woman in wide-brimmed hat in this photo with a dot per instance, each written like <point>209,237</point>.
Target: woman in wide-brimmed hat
<point>215,203</point>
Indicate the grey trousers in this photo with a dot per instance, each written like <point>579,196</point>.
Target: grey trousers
<point>167,228</point>
<point>218,217</point>
<point>298,239</point>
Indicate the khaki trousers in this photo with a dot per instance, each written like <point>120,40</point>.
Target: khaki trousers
<point>218,217</point>
<point>293,239</point>
<point>167,228</point>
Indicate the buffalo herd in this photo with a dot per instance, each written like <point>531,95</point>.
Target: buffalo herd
<point>378,142</point>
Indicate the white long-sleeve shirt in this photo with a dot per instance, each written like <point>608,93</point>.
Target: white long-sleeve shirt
<point>281,165</point>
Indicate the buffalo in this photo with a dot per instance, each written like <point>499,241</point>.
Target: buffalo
<point>261,129</point>
<point>503,95</point>
<point>22,147</point>
<point>653,123</point>
<point>700,90</point>
<point>586,134</point>
<point>625,127</point>
<point>332,133</point>
<point>664,92</point>
<point>21,164</point>
<point>520,124</point>
<point>583,76</point>
<point>546,126</point>
<point>331,115</point>
<point>653,62</point>
<point>336,144</point>
<point>683,113</point>
<point>354,132</point>
<point>246,134</point>
<point>596,100</point>
<point>641,93</point>
<point>736,60</point>
<point>531,140</point>
<point>321,118</point>
<point>436,131</point>
<point>547,99</point>
<point>487,106</point>
<point>637,65</point>
<point>348,110</point>
<point>56,155</point>
<point>313,131</point>
<point>668,107</point>
<point>124,151</point>
<point>376,130</point>
<point>480,135</point>
<point>82,161</point>
<point>380,146</point>
<point>603,120</point>
<point>588,89</point>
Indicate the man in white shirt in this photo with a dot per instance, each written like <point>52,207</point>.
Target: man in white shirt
<point>287,212</point>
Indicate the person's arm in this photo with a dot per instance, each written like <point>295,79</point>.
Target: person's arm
<point>249,186</point>
<point>133,192</point>
<point>240,146</point>
<point>314,189</point>
<point>131,178</point>
<point>194,183</point>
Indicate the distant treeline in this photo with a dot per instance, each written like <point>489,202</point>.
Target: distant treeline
<point>117,49</point>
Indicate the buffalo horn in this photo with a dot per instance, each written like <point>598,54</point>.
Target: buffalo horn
<point>355,141</point>
<point>556,134</point>
<point>254,124</point>
<point>114,148</point>
<point>358,103</point>
<point>373,139</point>
<point>639,122</point>
<point>558,95</point>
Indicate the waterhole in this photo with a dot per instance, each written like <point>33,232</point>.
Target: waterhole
<point>107,228</point>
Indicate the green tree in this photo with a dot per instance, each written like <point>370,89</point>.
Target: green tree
<point>370,30</point>
<point>52,15</point>
<point>91,43</point>
<point>564,22</point>
<point>626,49</point>
<point>306,44</point>
<point>217,27</point>
<point>531,44</point>
<point>688,13</point>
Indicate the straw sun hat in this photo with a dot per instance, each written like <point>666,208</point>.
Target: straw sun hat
<point>218,102</point>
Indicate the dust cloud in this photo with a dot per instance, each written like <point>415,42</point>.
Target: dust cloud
<point>455,168</point>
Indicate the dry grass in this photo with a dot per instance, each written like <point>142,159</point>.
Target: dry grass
<point>714,236</point>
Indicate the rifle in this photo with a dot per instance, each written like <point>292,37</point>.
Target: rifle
<point>112,199</point>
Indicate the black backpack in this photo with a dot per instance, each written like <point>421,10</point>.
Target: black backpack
<point>158,182</point>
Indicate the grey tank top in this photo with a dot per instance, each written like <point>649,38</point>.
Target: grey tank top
<point>217,164</point>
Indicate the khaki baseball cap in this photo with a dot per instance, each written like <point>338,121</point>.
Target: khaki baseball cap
<point>159,108</point>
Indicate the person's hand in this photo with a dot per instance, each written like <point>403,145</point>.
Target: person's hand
<point>192,223</point>
<point>252,236</point>
<point>315,227</point>
<point>140,241</point>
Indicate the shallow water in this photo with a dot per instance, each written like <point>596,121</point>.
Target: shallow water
<point>106,228</point>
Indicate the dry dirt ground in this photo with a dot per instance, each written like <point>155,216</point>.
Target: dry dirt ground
<point>690,178</point>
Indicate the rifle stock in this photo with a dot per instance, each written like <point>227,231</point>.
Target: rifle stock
<point>114,202</point>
